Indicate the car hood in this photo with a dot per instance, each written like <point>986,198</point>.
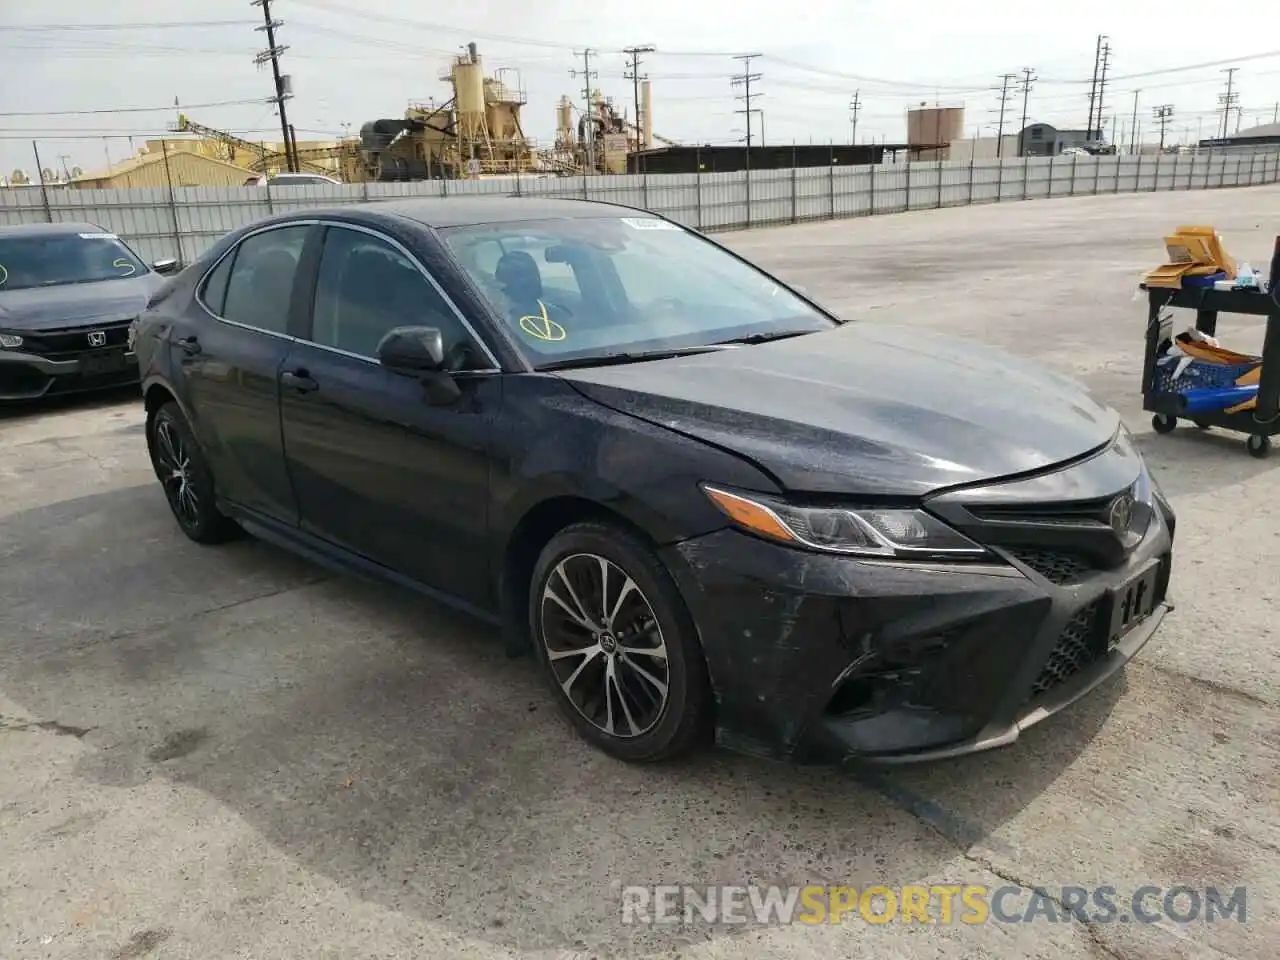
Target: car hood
<point>75,304</point>
<point>864,409</point>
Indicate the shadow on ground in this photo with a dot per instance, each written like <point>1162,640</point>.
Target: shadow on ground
<point>389,745</point>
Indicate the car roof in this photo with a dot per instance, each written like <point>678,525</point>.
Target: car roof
<point>62,228</point>
<point>468,211</point>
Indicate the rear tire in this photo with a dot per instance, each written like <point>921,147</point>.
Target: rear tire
<point>618,645</point>
<point>185,477</point>
<point>1163,423</point>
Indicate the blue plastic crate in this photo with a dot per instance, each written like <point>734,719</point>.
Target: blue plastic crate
<point>1198,375</point>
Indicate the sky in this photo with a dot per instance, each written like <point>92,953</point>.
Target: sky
<point>69,67</point>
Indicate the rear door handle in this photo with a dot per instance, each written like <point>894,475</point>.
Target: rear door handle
<point>299,380</point>
<point>189,345</point>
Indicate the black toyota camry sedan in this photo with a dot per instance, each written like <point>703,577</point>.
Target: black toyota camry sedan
<point>706,504</point>
<point>68,294</point>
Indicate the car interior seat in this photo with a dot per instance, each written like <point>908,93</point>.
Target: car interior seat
<point>518,275</point>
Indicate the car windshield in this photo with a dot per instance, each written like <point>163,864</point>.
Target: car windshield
<point>53,261</point>
<point>583,289</point>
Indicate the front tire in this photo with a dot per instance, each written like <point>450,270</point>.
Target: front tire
<point>185,477</point>
<point>618,645</point>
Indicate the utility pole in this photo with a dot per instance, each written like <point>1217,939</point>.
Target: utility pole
<point>633,74</point>
<point>1028,78</point>
<point>1163,113</point>
<point>1096,131</point>
<point>1228,99</point>
<point>744,80</point>
<point>854,106</point>
<point>1005,80</point>
<point>1133,124</point>
<point>282,83</point>
<point>589,136</point>
<point>1093,88</point>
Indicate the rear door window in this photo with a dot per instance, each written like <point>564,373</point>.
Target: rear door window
<point>260,287</point>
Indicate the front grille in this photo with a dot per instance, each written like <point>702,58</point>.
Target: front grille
<point>1077,648</point>
<point>1056,566</point>
<point>70,343</point>
<point>1069,512</point>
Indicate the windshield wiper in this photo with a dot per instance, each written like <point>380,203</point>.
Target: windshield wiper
<point>766,337</point>
<point>637,356</point>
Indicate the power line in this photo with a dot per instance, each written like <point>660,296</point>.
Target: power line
<point>587,75</point>
<point>744,79</point>
<point>109,110</point>
<point>99,27</point>
<point>1028,78</point>
<point>282,84</point>
<point>1228,99</point>
<point>1163,113</point>
<point>1005,79</point>
<point>1095,132</point>
<point>633,74</point>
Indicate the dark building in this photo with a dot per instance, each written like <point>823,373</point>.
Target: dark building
<point>709,159</point>
<point>1046,140</point>
<point>1267,135</point>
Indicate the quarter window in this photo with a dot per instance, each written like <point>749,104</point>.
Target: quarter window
<point>214,293</point>
<point>261,283</point>
<point>366,287</point>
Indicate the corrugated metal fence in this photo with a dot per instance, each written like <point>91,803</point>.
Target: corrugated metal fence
<point>184,221</point>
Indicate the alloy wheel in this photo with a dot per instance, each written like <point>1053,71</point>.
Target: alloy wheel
<point>604,645</point>
<point>173,464</point>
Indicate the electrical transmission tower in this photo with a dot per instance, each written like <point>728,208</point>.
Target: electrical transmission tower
<point>744,80</point>
<point>855,105</point>
<point>1005,80</point>
<point>1163,113</point>
<point>1095,132</point>
<point>588,131</point>
<point>1093,89</point>
<point>283,84</point>
<point>1228,99</point>
<point>1028,78</point>
<point>635,76</point>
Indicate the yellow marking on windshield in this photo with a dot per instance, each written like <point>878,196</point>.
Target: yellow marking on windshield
<point>4,275</point>
<point>123,264</point>
<point>541,327</point>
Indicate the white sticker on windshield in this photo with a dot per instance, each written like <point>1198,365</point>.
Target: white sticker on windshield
<point>648,223</point>
<point>98,236</point>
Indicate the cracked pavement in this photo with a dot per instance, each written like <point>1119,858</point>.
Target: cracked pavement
<point>230,753</point>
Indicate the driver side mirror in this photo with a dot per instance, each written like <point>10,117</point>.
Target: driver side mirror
<point>165,266</point>
<point>419,352</point>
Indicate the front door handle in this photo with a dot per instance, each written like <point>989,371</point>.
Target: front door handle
<point>299,380</point>
<point>189,345</point>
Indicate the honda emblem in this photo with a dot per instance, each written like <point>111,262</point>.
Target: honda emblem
<point>97,338</point>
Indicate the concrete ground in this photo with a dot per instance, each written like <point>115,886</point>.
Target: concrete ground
<point>227,752</point>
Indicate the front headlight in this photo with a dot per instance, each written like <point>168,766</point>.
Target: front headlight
<point>10,340</point>
<point>858,531</point>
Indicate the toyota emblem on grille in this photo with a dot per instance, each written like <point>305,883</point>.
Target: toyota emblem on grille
<point>1121,514</point>
<point>97,338</point>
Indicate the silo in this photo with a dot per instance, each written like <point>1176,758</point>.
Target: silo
<point>646,116</point>
<point>934,126</point>
<point>564,121</point>
<point>468,89</point>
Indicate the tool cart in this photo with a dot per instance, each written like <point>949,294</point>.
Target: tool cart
<point>1261,420</point>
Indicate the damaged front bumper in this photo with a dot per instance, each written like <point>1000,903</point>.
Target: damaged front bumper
<point>820,658</point>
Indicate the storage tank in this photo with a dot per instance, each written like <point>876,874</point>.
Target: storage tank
<point>564,121</point>
<point>646,116</point>
<point>468,89</point>
<point>934,126</point>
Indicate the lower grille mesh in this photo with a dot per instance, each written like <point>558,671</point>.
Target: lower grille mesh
<point>1054,565</point>
<point>1077,648</point>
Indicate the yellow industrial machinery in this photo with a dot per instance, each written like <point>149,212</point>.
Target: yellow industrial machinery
<point>475,133</point>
